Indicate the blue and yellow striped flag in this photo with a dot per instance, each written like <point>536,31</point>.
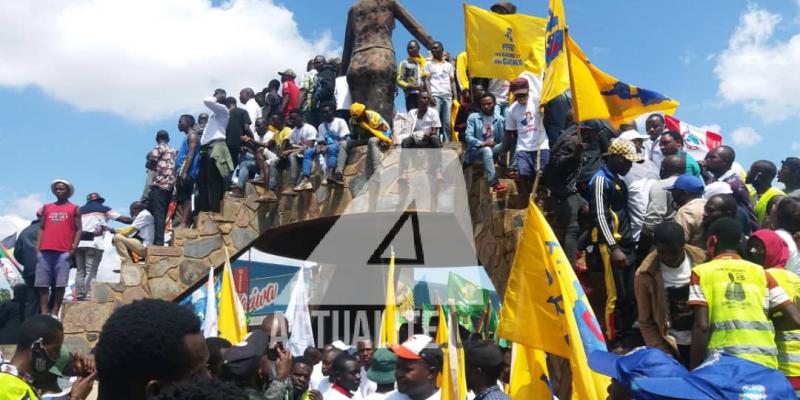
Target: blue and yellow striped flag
<point>598,95</point>
<point>556,74</point>
<point>545,308</point>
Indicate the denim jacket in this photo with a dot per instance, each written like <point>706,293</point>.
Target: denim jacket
<point>474,133</point>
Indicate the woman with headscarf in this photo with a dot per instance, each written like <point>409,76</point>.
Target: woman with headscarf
<point>768,249</point>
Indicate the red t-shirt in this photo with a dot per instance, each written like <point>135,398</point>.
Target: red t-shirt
<point>58,226</point>
<point>290,89</point>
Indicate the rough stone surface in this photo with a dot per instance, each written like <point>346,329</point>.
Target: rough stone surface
<point>206,226</point>
<point>185,233</point>
<point>200,248</point>
<point>158,268</point>
<point>85,316</point>
<point>131,275</point>
<point>102,293</point>
<point>132,294</point>
<point>163,288</point>
<point>92,337</point>
<point>173,274</point>
<point>169,251</point>
<point>192,271</point>
<point>242,237</point>
<point>77,344</point>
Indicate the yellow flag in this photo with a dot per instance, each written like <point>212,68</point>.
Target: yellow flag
<point>232,321</point>
<point>503,46</point>
<point>453,379</point>
<point>597,95</point>
<point>389,324</point>
<point>545,308</point>
<point>529,377</point>
<point>556,74</point>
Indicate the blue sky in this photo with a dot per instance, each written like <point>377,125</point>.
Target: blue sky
<point>83,94</point>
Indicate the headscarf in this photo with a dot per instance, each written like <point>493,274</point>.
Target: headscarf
<point>356,109</point>
<point>776,252</point>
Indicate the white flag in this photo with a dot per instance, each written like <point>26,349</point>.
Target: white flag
<point>210,316</point>
<point>299,318</point>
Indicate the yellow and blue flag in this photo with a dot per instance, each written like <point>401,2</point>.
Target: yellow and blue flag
<point>556,73</point>
<point>388,334</point>
<point>453,379</point>
<point>545,307</point>
<point>503,46</point>
<point>529,377</point>
<point>232,321</point>
<point>598,95</point>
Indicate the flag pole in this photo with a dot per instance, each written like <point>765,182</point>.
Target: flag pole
<point>574,94</point>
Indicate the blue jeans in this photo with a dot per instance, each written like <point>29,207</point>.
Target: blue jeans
<point>487,155</point>
<point>309,154</point>
<point>443,105</point>
<point>247,170</point>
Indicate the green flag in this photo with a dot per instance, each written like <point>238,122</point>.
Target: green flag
<point>468,297</point>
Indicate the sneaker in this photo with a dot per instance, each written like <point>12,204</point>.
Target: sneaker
<point>499,187</point>
<point>337,179</point>
<point>324,182</point>
<point>304,185</point>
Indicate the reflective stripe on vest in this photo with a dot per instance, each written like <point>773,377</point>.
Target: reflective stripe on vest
<point>735,291</point>
<point>788,342</point>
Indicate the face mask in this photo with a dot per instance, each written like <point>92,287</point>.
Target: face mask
<point>40,358</point>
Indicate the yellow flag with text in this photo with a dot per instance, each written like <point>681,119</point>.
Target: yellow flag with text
<point>598,95</point>
<point>545,308</point>
<point>388,335</point>
<point>232,322</point>
<point>453,379</point>
<point>503,46</point>
<point>556,74</point>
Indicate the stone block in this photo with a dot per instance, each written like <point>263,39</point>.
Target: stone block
<point>200,248</point>
<point>174,274</point>
<point>164,251</point>
<point>225,227</point>
<point>102,293</point>
<point>131,274</point>
<point>242,237</point>
<point>77,344</point>
<point>132,294</point>
<point>192,271</point>
<point>185,233</point>
<point>164,288</point>
<point>206,226</point>
<point>159,268</point>
<point>229,208</point>
<point>243,217</point>
<point>86,316</point>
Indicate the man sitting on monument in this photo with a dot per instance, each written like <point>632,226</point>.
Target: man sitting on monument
<point>367,127</point>
<point>484,137</point>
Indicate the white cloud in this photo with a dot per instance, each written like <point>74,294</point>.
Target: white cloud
<point>148,59</point>
<point>17,212</point>
<point>758,72</point>
<point>745,136</point>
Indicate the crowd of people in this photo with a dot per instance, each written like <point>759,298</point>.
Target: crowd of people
<point>153,349</point>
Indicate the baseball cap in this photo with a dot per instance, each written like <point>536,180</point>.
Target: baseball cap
<point>625,148</point>
<point>94,196</point>
<point>343,347</point>
<point>504,7</point>
<point>288,72</point>
<point>687,183</point>
<point>384,364</point>
<point>483,353</point>
<point>715,188</point>
<point>721,377</point>
<point>631,135</point>
<point>639,362</point>
<point>412,347</point>
<point>243,359</point>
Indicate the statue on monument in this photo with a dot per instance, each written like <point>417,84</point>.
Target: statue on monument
<point>368,58</point>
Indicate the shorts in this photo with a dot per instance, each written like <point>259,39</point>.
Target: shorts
<point>52,269</point>
<point>526,162</point>
<point>184,188</point>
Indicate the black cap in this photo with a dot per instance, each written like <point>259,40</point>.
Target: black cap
<point>483,353</point>
<point>243,359</point>
<point>593,124</point>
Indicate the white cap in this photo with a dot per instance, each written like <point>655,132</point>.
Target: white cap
<point>631,135</point>
<point>717,188</point>
<point>411,348</point>
<point>341,346</point>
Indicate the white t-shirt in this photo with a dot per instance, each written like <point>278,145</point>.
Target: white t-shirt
<point>324,385</point>
<point>337,128</point>
<point>377,396</point>
<point>526,120</point>
<point>487,131</point>
<point>440,75</point>
<point>395,395</point>
<point>366,386</point>
<point>254,111</point>
<point>145,227</point>
<point>94,222</point>
<point>424,124</point>
<point>300,136</point>
<point>316,376</point>
<point>499,88</point>
<point>793,263</point>
<point>677,277</point>
<point>342,94</point>
<point>217,121</point>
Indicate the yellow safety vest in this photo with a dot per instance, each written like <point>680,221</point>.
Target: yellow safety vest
<point>788,342</point>
<point>735,291</point>
<point>760,208</point>
<point>13,387</point>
